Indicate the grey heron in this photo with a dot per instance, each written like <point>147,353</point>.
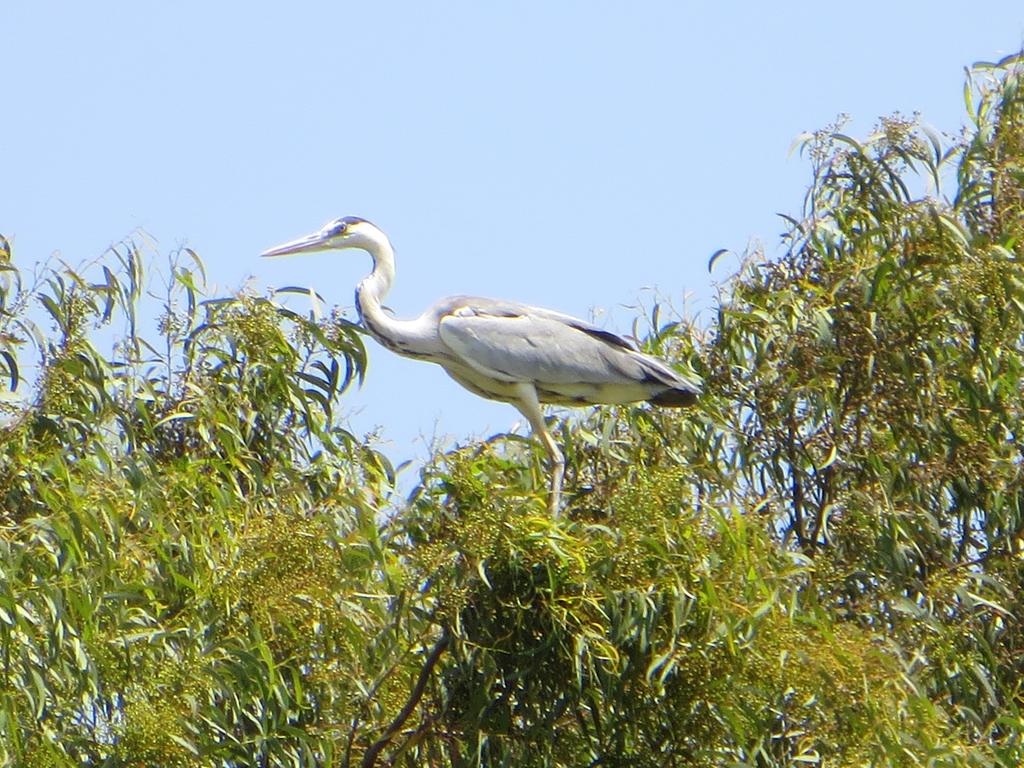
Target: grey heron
<point>501,350</point>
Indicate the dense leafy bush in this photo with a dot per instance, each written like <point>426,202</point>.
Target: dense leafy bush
<point>820,563</point>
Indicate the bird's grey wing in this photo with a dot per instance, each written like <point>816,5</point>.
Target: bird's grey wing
<point>478,305</point>
<point>515,343</point>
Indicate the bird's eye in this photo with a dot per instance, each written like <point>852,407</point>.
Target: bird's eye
<point>337,228</point>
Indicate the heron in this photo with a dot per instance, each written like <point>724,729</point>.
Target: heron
<point>501,350</point>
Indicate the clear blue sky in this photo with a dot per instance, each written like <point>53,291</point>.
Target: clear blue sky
<point>566,154</point>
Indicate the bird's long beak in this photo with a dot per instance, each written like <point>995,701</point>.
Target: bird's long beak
<point>306,244</point>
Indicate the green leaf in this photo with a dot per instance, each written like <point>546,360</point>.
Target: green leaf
<point>715,257</point>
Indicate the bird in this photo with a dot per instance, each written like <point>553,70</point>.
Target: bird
<point>501,350</point>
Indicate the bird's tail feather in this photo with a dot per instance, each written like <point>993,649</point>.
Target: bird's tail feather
<point>674,398</point>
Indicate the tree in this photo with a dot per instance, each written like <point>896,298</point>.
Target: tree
<point>818,564</point>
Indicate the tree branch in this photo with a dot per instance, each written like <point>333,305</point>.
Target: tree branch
<point>370,758</point>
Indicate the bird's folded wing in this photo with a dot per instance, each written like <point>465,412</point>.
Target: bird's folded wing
<point>548,349</point>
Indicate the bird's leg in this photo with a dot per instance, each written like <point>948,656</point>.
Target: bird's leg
<point>557,473</point>
<point>529,406</point>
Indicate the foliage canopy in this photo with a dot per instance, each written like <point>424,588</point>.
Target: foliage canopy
<point>819,564</point>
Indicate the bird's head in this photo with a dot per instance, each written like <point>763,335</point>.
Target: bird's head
<point>346,232</point>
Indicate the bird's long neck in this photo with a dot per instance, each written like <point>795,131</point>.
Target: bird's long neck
<point>371,292</point>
